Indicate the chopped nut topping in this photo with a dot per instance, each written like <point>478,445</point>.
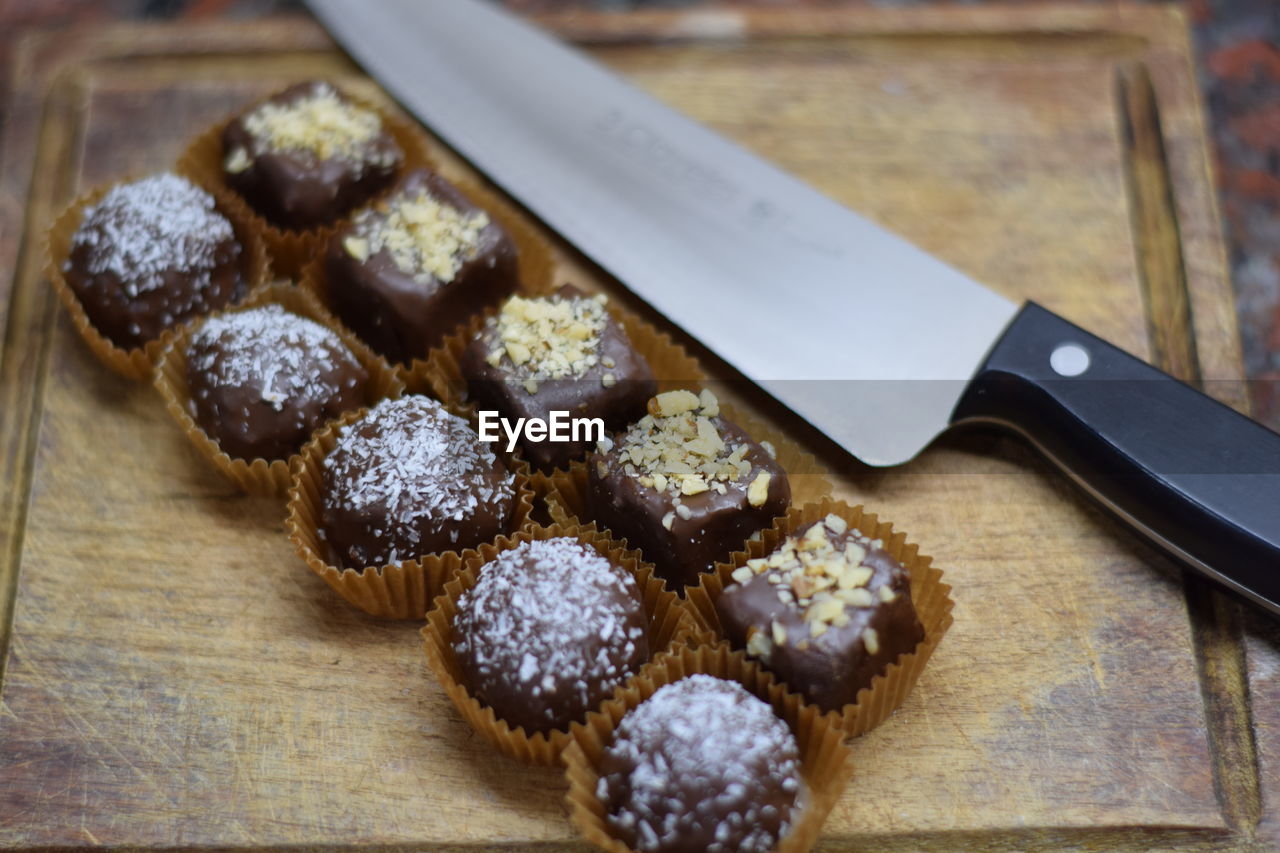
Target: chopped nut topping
<point>759,645</point>
<point>668,520</point>
<point>237,161</point>
<point>678,447</point>
<point>549,337</point>
<point>871,640</point>
<point>426,238</point>
<point>357,247</point>
<point>672,403</point>
<point>825,579</point>
<point>769,448</point>
<point>779,634</point>
<point>321,124</point>
<point>758,491</point>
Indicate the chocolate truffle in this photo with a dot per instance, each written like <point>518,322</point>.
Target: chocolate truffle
<point>306,156</point>
<point>548,631</point>
<point>408,479</point>
<point>261,380</point>
<point>826,612</point>
<point>685,485</point>
<point>413,267</point>
<point>561,353</point>
<point>701,765</point>
<point>150,255</point>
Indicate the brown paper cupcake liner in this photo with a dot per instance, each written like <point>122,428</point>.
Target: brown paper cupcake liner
<point>931,597</point>
<point>290,249</point>
<point>440,374</point>
<point>826,763</point>
<point>139,362</point>
<point>566,496</point>
<point>394,591</point>
<point>670,625</point>
<point>267,477</point>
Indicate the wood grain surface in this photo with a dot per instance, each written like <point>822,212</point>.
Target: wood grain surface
<point>175,677</point>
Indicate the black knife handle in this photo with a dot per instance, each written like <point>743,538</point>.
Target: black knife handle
<point>1197,478</point>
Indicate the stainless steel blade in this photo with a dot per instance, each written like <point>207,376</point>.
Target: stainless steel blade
<point>861,333</point>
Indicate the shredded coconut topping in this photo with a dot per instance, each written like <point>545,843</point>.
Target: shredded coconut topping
<point>426,238</point>
<point>677,447</point>
<point>555,621</point>
<point>287,357</point>
<point>321,123</point>
<point>419,466</point>
<point>823,571</point>
<point>712,737</point>
<point>141,230</point>
<point>547,337</point>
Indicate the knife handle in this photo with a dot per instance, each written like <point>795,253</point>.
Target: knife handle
<point>1196,477</point>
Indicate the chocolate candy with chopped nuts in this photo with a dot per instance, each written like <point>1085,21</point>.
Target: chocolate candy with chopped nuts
<point>409,270</point>
<point>826,611</point>
<point>701,765</point>
<point>263,379</point>
<point>550,628</point>
<point>685,485</point>
<point>561,353</point>
<point>150,255</point>
<point>409,479</point>
<point>307,155</point>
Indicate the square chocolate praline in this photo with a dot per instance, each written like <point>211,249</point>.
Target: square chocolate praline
<point>685,535</point>
<point>403,313</point>
<point>307,187</point>
<point>828,643</point>
<point>614,389</point>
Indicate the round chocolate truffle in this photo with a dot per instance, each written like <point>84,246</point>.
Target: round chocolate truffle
<point>410,269</point>
<point>149,255</point>
<point>261,380</point>
<point>701,765</point>
<point>308,155</point>
<point>408,479</point>
<point>548,631</point>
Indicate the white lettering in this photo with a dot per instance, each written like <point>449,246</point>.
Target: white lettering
<point>559,426</point>
<point>488,425</point>
<point>593,427</point>
<point>513,433</point>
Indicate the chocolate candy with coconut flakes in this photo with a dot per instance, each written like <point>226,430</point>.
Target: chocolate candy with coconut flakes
<point>685,485</point>
<point>414,266</point>
<point>263,379</point>
<point>409,479</point>
<point>306,156</point>
<point>701,765</point>
<point>557,353</point>
<point>150,255</point>
<point>550,628</point>
<point>826,611</point>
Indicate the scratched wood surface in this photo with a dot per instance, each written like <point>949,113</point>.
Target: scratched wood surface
<point>175,677</point>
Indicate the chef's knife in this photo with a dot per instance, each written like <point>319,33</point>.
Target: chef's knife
<point>873,341</point>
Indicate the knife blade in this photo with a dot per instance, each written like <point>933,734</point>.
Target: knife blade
<point>888,346</point>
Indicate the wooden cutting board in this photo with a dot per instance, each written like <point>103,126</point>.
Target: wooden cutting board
<point>176,677</point>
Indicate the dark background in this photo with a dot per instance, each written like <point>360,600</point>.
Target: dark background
<point>1238,48</point>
